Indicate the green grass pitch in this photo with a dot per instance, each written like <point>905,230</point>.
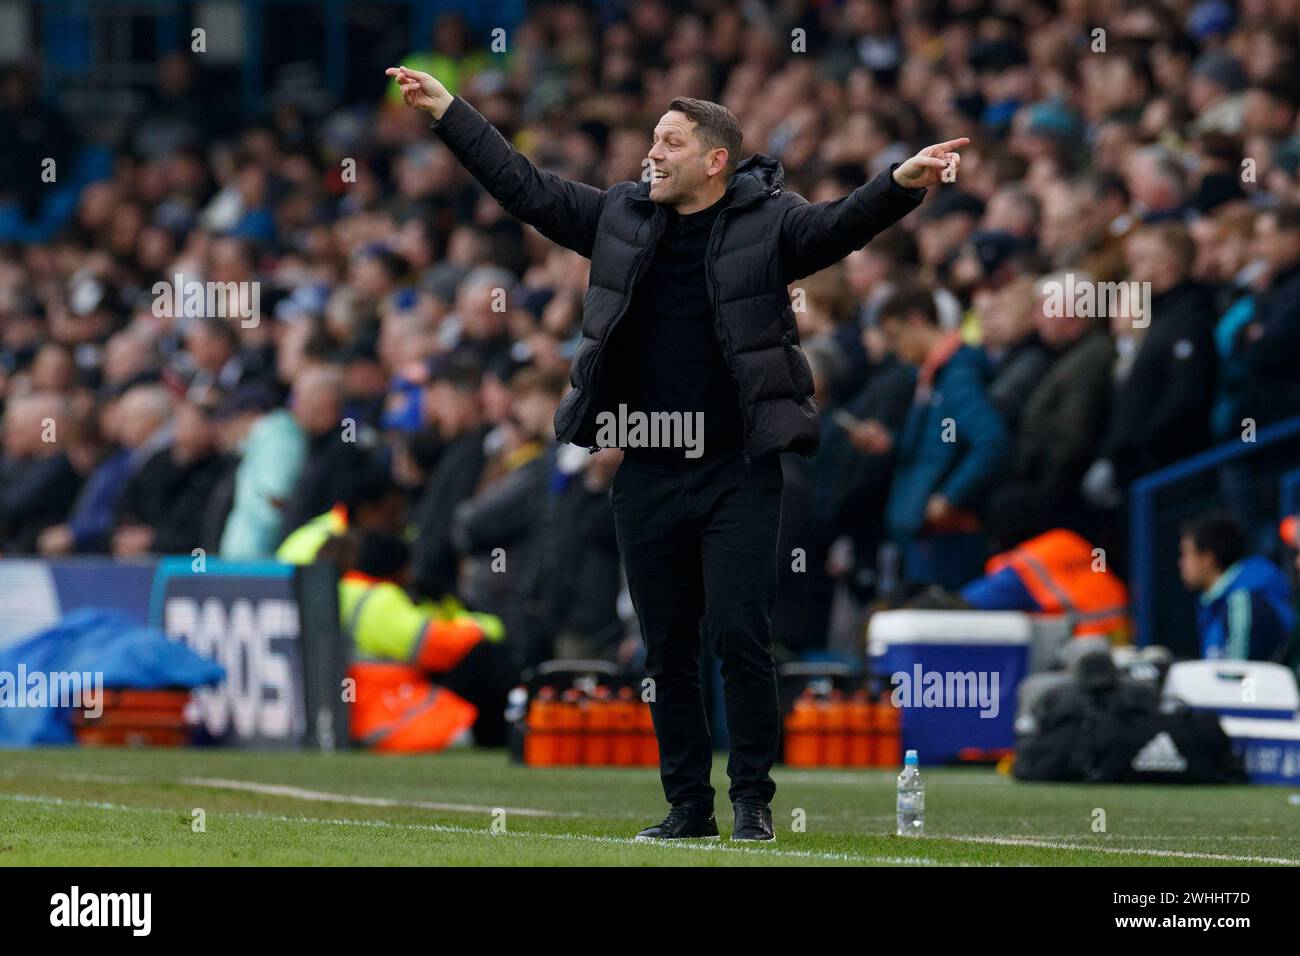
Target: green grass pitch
<point>137,808</point>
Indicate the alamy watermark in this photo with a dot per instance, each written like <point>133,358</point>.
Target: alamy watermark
<point>624,429</point>
<point>75,908</point>
<point>947,689</point>
<point>194,299</point>
<point>1086,298</point>
<point>78,690</point>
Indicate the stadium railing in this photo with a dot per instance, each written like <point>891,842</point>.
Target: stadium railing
<point>1243,477</point>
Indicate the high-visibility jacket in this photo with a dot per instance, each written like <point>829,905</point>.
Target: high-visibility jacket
<point>397,645</point>
<point>305,541</point>
<point>1063,575</point>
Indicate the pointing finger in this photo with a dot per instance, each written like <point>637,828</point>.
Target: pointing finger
<point>953,144</point>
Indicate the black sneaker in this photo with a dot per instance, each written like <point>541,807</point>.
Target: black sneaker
<point>753,822</point>
<point>683,823</point>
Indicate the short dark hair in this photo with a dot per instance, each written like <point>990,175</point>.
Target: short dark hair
<point>903,302</point>
<point>716,125</point>
<point>1218,533</point>
<point>459,370</point>
<point>382,555</point>
<point>371,485</point>
<point>895,244</point>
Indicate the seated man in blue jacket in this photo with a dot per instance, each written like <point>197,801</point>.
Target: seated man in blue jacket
<point>951,449</point>
<point>1245,601</point>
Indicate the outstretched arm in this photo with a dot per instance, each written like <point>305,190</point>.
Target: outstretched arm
<point>563,211</point>
<point>815,236</point>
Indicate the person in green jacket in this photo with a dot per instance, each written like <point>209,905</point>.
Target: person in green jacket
<point>272,449</point>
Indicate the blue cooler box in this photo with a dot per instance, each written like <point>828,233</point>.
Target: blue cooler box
<point>947,669</point>
<point>1270,748</point>
<point>1258,705</point>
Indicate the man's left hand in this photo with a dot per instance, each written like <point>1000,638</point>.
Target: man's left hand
<point>926,167</point>
<point>937,508</point>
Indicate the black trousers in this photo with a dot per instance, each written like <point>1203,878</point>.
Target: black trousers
<point>700,548</point>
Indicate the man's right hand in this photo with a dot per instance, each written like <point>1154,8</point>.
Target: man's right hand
<point>421,90</point>
<point>871,438</point>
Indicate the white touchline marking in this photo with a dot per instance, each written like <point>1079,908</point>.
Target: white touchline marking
<point>75,777</point>
<point>319,796</point>
<point>299,793</point>
<point>482,832</point>
<point>1180,854</point>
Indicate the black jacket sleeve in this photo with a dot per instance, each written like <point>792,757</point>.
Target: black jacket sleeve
<point>1274,352</point>
<point>815,236</point>
<point>502,513</point>
<point>562,211</point>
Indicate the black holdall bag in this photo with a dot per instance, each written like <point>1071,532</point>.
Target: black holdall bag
<point>1183,746</point>
<point>1104,728</point>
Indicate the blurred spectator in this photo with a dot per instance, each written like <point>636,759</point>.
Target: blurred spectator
<point>37,479</point>
<point>1013,347</point>
<point>498,529</point>
<point>450,55</point>
<point>573,595</point>
<point>1216,92</point>
<point>452,403</point>
<point>334,452</point>
<point>134,432</point>
<point>833,505</point>
<point>1272,336</point>
<point>1059,427</point>
<point>271,448</point>
<point>953,445</point>
<point>1164,375</point>
<point>161,508</point>
<point>1245,610</point>
<point>212,347</point>
<point>39,132</point>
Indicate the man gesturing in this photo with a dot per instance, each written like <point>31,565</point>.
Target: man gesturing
<point>688,314</point>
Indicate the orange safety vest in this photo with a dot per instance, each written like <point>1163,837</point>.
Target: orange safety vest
<point>1057,569</point>
<point>399,710</point>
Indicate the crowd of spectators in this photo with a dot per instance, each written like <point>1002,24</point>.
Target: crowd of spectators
<point>407,328</point>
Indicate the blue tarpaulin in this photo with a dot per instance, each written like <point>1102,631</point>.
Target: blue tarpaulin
<point>89,641</point>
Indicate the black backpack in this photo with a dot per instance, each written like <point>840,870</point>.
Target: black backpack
<point>1119,734</point>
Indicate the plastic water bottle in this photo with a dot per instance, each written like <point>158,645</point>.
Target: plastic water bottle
<point>911,798</point>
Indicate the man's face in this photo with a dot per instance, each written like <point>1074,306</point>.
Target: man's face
<point>316,408</point>
<point>452,410</point>
<point>209,351</point>
<point>680,162</point>
<point>906,337</point>
<point>194,433</point>
<point>1150,260</point>
<point>1057,330</point>
<point>535,413</point>
<point>1197,568</point>
<point>1279,248</point>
